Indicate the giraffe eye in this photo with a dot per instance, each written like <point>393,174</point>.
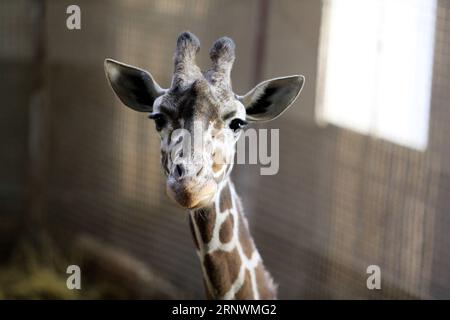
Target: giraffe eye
<point>237,124</point>
<point>160,120</point>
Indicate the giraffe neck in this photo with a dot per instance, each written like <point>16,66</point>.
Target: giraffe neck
<point>232,267</point>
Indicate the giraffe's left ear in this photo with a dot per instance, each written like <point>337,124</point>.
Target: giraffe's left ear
<point>271,98</point>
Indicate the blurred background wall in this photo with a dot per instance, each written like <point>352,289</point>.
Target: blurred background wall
<point>75,161</point>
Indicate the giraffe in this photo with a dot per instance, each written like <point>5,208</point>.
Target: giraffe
<point>199,179</point>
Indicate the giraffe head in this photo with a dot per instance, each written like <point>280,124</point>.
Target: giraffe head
<point>199,118</point>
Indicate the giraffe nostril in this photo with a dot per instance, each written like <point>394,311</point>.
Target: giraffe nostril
<point>179,170</point>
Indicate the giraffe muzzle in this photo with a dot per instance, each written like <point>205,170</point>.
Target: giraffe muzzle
<point>190,193</point>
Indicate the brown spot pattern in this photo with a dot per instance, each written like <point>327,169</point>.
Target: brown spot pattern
<point>216,167</point>
<point>246,291</point>
<point>218,160</point>
<point>205,220</point>
<point>225,199</point>
<point>226,230</point>
<point>222,269</point>
<point>218,125</point>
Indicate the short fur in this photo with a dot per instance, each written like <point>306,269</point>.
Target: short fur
<point>200,181</point>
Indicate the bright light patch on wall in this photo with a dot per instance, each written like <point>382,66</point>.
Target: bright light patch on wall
<point>376,65</point>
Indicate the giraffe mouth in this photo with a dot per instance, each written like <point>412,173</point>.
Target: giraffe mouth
<point>189,193</point>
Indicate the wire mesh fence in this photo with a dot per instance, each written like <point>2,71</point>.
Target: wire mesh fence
<point>341,201</point>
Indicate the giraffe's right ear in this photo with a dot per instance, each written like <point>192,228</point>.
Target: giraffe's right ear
<point>135,87</point>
